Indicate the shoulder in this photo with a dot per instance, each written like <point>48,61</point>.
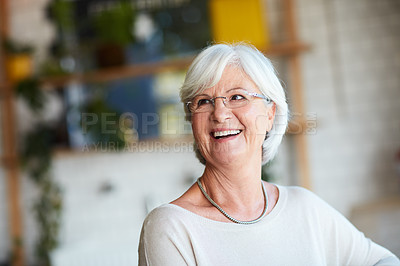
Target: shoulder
<point>162,216</point>
<point>305,202</point>
<point>162,212</point>
<point>296,191</point>
<point>163,224</point>
<point>168,219</point>
<point>163,235</point>
<point>299,195</point>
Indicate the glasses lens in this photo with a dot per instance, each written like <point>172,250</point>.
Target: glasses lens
<point>200,104</point>
<point>237,99</point>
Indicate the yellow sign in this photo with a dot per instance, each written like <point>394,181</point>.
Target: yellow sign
<point>239,20</point>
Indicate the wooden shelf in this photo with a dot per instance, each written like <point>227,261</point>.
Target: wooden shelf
<point>141,146</point>
<point>129,71</point>
<point>294,128</point>
<point>287,49</point>
<point>116,73</point>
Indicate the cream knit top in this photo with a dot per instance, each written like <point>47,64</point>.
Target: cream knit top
<point>302,229</point>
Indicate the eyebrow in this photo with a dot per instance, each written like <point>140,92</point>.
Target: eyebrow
<point>203,94</point>
<point>236,88</point>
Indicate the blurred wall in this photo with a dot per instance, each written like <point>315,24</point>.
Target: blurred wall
<point>106,198</point>
<point>351,82</point>
<point>28,24</point>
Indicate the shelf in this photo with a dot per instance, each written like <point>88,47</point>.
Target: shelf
<point>295,127</point>
<point>161,144</point>
<point>116,73</point>
<point>287,49</point>
<point>149,145</point>
<point>167,144</point>
<point>129,71</point>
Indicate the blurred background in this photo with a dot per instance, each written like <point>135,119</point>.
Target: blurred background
<point>93,135</point>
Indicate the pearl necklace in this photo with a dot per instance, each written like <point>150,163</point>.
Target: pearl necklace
<point>227,215</point>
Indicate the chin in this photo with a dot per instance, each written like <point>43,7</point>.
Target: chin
<point>228,157</point>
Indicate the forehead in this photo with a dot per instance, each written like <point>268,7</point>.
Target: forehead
<point>232,77</point>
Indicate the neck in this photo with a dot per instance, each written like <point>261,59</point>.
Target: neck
<point>236,189</point>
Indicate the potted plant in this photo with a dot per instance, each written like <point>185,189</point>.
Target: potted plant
<point>35,155</point>
<point>65,45</point>
<point>18,61</point>
<point>113,28</point>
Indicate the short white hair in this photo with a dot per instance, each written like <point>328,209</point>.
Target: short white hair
<point>206,71</point>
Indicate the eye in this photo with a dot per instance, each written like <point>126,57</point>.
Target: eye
<point>237,97</point>
<point>201,102</point>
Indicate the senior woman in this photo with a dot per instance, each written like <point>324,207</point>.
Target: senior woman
<point>239,114</point>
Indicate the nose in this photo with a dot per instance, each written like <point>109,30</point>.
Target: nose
<point>220,112</point>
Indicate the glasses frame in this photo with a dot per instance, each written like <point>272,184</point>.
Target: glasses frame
<point>224,98</point>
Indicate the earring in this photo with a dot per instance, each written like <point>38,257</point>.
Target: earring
<point>266,135</point>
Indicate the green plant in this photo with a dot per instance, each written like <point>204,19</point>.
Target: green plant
<point>36,160</point>
<point>36,157</point>
<point>115,24</point>
<point>13,47</point>
<point>98,134</point>
<point>51,67</point>
<point>65,44</point>
<point>62,12</point>
<point>30,91</point>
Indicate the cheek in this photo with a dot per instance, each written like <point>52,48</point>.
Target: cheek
<point>256,120</point>
<point>261,124</point>
<point>199,126</point>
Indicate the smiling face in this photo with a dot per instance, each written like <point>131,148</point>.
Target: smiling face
<point>226,135</point>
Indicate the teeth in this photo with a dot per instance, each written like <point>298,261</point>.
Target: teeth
<point>226,133</point>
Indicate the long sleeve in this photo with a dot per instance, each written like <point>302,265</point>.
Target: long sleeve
<point>159,244</point>
<point>344,240</point>
<point>388,261</point>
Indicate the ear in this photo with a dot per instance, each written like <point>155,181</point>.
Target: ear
<point>271,112</point>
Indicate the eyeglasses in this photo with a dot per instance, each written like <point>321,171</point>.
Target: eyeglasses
<point>235,99</point>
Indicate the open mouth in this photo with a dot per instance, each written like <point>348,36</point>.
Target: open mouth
<point>225,133</point>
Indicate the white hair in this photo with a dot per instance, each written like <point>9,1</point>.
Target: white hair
<point>206,71</point>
